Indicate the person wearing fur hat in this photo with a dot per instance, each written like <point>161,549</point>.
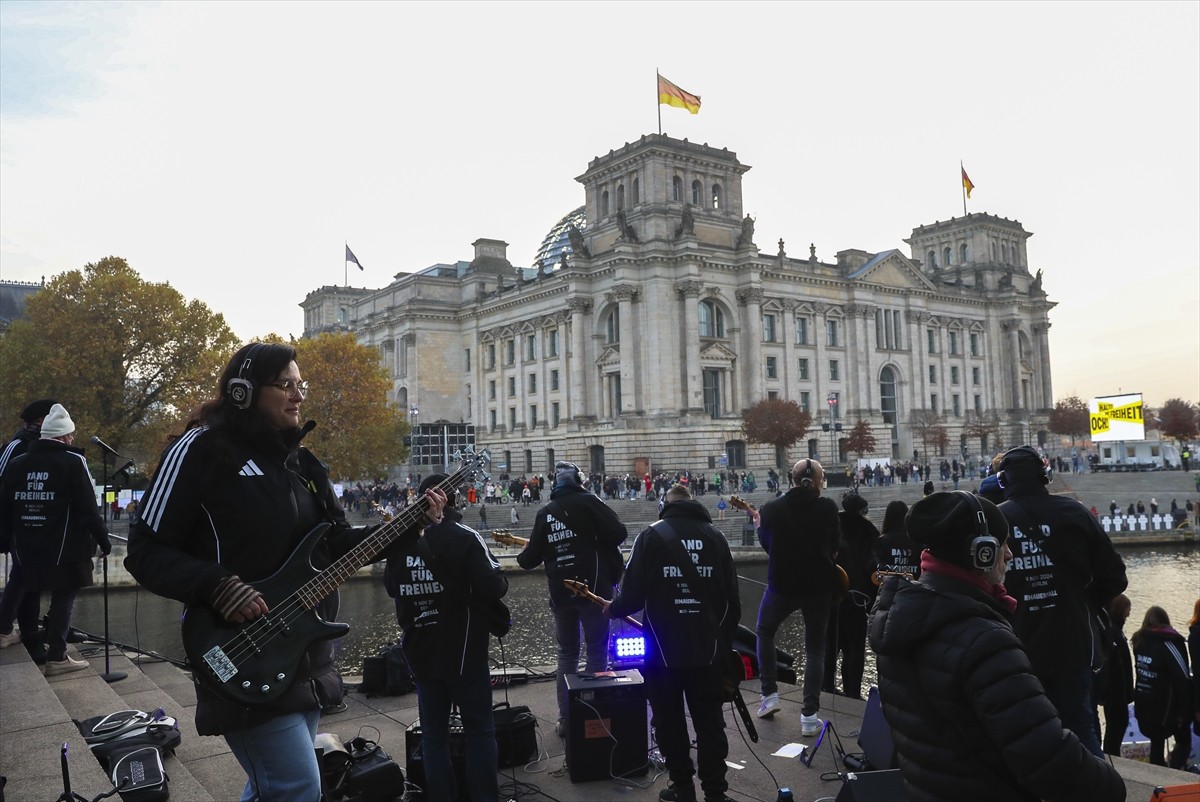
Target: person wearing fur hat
<point>846,633</point>
<point>968,717</point>
<point>26,435</point>
<point>1065,571</point>
<point>578,537</point>
<point>50,521</point>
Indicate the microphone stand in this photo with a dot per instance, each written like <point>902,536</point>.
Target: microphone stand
<point>109,675</point>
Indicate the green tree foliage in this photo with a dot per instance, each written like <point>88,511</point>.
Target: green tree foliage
<point>128,358</point>
<point>1070,417</point>
<point>861,440</point>
<point>359,432</point>
<point>775,422</point>
<point>929,428</point>
<point>1178,420</point>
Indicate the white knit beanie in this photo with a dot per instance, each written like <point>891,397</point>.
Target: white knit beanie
<point>57,423</point>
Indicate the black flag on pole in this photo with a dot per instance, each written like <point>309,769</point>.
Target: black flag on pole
<point>350,257</point>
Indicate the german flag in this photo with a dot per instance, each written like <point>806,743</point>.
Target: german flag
<point>672,95</point>
<point>967,185</point>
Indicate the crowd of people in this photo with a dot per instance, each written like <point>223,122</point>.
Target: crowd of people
<point>988,620</point>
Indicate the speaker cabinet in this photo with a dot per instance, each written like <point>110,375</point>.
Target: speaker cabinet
<point>873,786</point>
<point>606,725</point>
<point>415,761</point>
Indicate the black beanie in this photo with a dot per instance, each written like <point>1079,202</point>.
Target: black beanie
<point>1023,461</point>
<point>945,523</point>
<point>853,502</point>
<point>37,410</point>
<point>927,489</point>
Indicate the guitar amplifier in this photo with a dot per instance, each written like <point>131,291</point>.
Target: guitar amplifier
<point>606,725</point>
<point>415,761</point>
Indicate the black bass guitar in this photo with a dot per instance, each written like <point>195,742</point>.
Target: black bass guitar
<point>256,662</point>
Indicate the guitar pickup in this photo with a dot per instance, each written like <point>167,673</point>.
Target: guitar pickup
<point>220,664</point>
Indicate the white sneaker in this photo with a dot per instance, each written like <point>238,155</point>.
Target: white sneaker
<point>810,725</point>
<point>11,639</point>
<point>770,705</point>
<point>65,666</point>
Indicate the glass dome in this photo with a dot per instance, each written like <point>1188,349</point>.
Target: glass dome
<point>557,242</point>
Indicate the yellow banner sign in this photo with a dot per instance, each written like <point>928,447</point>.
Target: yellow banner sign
<point>1102,418</point>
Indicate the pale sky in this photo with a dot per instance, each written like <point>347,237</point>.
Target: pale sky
<point>232,148</point>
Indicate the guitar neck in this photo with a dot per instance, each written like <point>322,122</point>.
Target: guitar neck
<point>348,564</point>
<point>579,589</point>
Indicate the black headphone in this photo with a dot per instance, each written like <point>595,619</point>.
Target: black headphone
<point>1029,451</point>
<point>240,390</point>
<point>985,549</point>
<point>806,475</point>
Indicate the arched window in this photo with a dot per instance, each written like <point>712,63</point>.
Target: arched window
<point>676,188</point>
<point>962,253</point>
<point>932,256</point>
<point>604,203</point>
<point>620,196</point>
<point>946,254</point>
<point>716,196</point>
<point>697,194</point>
<point>341,314</point>
<point>887,395</point>
<point>712,320</point>
<point>612,326</point>
<point>637,194</point>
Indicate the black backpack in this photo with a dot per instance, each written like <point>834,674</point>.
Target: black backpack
<point>129,745</point>
<point>387,674</point>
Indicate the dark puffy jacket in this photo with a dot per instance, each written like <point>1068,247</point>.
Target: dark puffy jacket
<point>443,632</point>
<point>1162,695</point>
<point>49,518</point>
<point>969,720</point>
<point>578,537</point>
<point>217,508</point>
<point>1058,575</point>
<point>679,628</point>
<point>800,532</point>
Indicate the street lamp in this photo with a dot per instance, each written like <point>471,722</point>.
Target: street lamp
<point>832,427</point>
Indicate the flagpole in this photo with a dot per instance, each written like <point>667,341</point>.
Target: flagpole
<point>345,269</point>
<point>961,172</point>
<point>657,100</point>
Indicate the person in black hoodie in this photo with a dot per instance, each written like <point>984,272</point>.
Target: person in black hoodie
<point>233,498</point>
<point>1113,683</point>
<point>1065,569</point>
<point>969,719</point>
<point>440,583</point>
<point>689,634</point>
<point>847,630</point>
<point>578,537</point>
<point>1162,695</point>
<point>895,551</point>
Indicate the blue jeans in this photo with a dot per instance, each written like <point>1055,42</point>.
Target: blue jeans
<point>279,759</point>
<point>775,608</point>
<point>472,692</point>
<point>1072,695</point>
<point>568,619</point>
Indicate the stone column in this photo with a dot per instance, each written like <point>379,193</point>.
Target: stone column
<point>858,382</point>
<point>693,390</point>
<point>752,300</point>
<point>624,294</point>
<point>821,368</point>
<point>1013,329</point>
<point>1042,331</point>
<point>579,364</point>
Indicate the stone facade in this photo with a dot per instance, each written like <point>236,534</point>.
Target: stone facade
<point>643,347</point>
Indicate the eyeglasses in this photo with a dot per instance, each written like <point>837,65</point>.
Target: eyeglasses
<point>291,387</point>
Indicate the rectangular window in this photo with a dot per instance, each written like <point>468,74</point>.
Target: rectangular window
<point>467,358</point>
<point>953,343</point>
<point>954,374</point>
<point>978,405</point>
<point>492,390</point>
<point>974,375</point>
<point>510,351</point>
<point>512,386</point>
<point>957,405</point>
<point>931,341</point>
<point>532,383</point>
<point>491,356</point>
<point>801,331</point>
<point>772,395</point>
<point>831,333</point>
<point>837,397</point>
<point>553,342</point>
<point>554,414</point>
<point>771,371</point>
<point>712,392</point>
<point>768,328</point>
<point>512,418</point>
<point>833,370</point>
<point>492,420</point>
<point>933,402</point>
<point>933,374</point>
<point>533,415</point>
<point>530,341</point>
<point>974,344</point>
<point>554,379</point>
<point>804,369</point>
<point>806,401</point>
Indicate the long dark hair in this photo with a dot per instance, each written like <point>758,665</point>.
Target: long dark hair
<point>893,516</point>
<point>257,363</point>
<point>1155,618</point>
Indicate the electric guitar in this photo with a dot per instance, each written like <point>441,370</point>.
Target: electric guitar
<point>735,670</point>
<point>507,538</point>
<point>257,661</point>
<point>843,579</point>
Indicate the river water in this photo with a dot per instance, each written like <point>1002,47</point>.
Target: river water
<point>1168,576</point>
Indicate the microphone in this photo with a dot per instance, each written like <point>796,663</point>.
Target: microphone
<point>105,446</point>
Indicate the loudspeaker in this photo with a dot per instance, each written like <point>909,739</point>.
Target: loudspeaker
<point>606,725</point>
<point>873,786</point>
<point>985,549</point>
<point>415,761</point>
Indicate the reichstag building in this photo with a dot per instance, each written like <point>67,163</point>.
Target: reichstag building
<point>651,317</point>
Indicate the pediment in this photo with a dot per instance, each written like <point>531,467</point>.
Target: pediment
<point>716,352</point>
<point>892,269</point>
<point>610,357</point>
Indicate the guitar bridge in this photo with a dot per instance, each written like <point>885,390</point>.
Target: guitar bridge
<point>220,664</point>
